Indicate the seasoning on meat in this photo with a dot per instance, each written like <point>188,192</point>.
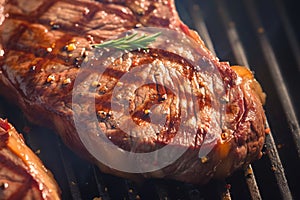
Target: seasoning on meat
<point>25,42</point>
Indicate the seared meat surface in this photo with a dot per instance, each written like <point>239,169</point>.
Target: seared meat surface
<point>22,174</point>
<point>44,45</point>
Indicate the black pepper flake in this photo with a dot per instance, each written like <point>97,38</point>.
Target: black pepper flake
<point>147,112</point>
<point>113,124</point>
<point>103,90</point>
<point>32,68</point>
<point>162,97</point>
<point>140,11</point>
<point>102,114</point>
<point>146,50</point>
<point>3,186</point>
<point>224,100</point>
<point>77,62</point>
<point>83,53</point>
<point>55,26</point>
<point>138,25</point>
<point>265,149</point>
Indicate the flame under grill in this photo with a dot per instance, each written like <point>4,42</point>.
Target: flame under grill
<point>259,34</point>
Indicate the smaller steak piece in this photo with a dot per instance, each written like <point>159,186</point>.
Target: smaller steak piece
<point>22,174</point>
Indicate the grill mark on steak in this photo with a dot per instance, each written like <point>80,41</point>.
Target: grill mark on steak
<point>33,15</point>
<point>25,183</point>
<point>69,31</point>
<point>27,65</point>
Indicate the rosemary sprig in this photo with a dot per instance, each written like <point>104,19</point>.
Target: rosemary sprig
<point>129,42</point>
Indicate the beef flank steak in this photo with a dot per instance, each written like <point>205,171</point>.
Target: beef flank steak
<point>43,44</point>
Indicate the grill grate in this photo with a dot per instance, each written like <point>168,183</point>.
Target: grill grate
<point>240,55</point>
<point>274,69</point>
<point>253,33</point>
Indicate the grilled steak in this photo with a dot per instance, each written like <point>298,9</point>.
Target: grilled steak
<point>43,49</point>
<point>22,174</point>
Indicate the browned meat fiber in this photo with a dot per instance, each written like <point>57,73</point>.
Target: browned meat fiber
<point>22,174</point>
<point>42,44</point>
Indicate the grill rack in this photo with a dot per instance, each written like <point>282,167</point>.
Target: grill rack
<point>225,26</point>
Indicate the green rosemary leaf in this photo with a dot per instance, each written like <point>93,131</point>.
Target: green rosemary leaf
<point>129,42</point>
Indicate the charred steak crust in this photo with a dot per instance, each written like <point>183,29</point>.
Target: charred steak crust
<point>22,174</point>
<point>40,64</point>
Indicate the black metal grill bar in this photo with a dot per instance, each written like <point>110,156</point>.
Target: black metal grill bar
<point>275,73</point>
<point>192,192</point>
<point>162,191</point>
<point>252,184</point>
<point>99,182</point>
<point>200,26</point>
<point>285,100</point>
<point>240,55</point>
<point>233,36</point>
<point>224,191</point>
<point>241,58</point>
<point>71,178</point>
<point>131,190</point>
<point>278,168</point>
<point>291,36</point>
